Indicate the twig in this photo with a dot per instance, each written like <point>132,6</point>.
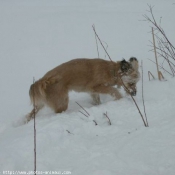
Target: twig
<point>109,121</point>
<point>149,73</point>
<point>87,114</point>
<point>83,108</point>
<point>97,44</point>
<point>154,44</point>
<point>134,101</point>
<point>160,67</point>
<point>106,47</point>
<point>34,106</point>
<point>95,122</point>
<point>143,96</point>
<point>153,21</point>
<point>165,55</point>
<point>165,47</point>
<point>93,26</point>
<point>69,132</point>
<point>84,114</point>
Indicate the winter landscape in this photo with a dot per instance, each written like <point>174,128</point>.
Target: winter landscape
<point>36,36</point>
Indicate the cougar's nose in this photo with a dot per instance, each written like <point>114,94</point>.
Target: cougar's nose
<point>133,93</point>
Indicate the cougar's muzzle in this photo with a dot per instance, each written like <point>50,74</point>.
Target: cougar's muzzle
<point>132,88</point>
<point>133,93</point>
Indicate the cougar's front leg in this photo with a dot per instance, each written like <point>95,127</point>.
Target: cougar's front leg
<point>96,98</point>
<point>108,90</point>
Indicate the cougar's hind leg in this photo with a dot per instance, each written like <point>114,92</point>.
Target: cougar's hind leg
<point>62,104</point>
<point>57,98</point>
<point>58,103</point>
<point>96,98</point>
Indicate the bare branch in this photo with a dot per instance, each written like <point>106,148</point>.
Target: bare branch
<point>83,108</point>
<point>97,44</point>
<point>155,52</point>
<point>143,96</point>
<point>93,26</point>
<point>153,21</point>
<point>69,132</point>
<point>84,114</point>
<point>95,122</point>
<point>87,114</point>
<point>165,48</point>
<point>161,67</point>
<point>134,102</point>
<point>106,115</point>
<point>106,47</point>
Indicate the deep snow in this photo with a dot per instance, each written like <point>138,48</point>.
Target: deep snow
<point>36,36</point>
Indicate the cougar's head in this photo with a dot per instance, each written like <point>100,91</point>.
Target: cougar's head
<point>133,76</point>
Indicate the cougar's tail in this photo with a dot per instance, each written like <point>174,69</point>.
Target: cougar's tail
<point>37,90</point>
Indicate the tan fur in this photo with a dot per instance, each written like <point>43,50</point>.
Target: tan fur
<point>94,76</point>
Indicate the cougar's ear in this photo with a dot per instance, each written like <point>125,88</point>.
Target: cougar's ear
<point>123,61</point>
<point>125,66</point>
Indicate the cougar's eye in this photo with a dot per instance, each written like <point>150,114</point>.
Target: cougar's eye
<point>124,68</point>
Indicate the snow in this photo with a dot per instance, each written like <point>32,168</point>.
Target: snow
<point>36,36</point>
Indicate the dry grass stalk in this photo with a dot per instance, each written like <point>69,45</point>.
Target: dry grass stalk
<point>154,44</point>
<point>161,75</point>
<point>134,103</point>
<point>87,114</point>
<point>106,115</point>
<point>143,96</point>
<point>69,132</point>
<point>160,67</point>
<point>96,44</point>
<point>106,47</point>
<point>157,26</point>
<point>84,114</point>
<point>93,26</point>
<point>83,108</point>
<point>165,48</point>
<point>95,122</point>
<point>149,73</point>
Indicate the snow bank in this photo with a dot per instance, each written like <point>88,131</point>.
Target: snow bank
<point>36,36</point>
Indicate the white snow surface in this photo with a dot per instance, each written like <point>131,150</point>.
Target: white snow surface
<point>38,35</point>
